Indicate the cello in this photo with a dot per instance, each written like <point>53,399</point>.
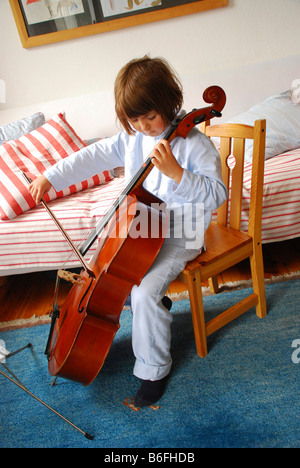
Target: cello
<point>83,328</point>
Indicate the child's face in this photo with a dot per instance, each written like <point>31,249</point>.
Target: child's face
<point>151,124</point>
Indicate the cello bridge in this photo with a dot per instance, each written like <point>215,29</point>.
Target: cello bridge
<point>73,278</point>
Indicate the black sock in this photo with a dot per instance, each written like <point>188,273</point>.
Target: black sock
<point>149,392</point>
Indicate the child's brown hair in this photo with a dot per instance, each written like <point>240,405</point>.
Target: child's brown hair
<point>144,85</point>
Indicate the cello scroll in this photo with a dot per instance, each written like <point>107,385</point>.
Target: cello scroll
<point>214,95</point>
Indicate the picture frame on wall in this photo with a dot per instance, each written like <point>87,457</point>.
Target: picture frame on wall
<point>41,22</point>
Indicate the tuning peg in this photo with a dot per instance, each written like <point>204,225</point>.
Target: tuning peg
<point>215,113</point>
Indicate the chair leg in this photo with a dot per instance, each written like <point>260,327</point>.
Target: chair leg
<point>257,271</point>
<point>196,301</point>
<point>213,284</point>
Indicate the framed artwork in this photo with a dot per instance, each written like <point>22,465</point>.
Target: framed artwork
<point>42,22</point>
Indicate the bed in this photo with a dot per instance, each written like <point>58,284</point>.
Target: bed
<point>30,241</point>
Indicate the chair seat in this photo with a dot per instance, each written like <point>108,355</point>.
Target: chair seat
<point>224,247</point>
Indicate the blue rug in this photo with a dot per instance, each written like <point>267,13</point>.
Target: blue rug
<point>245,393</point>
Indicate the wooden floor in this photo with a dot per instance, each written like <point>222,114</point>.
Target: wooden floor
<point>25,296</point>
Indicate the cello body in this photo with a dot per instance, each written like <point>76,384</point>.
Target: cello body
<point>89,318</point>
<point>132,233</point>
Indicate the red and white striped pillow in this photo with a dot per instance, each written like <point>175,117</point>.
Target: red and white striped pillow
<point>33,154</point>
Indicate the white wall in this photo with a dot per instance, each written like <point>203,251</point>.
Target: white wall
<point>246,31</point>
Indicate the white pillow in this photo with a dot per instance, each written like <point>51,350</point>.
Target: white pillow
<point>14,130</point>
<point>283,124</point>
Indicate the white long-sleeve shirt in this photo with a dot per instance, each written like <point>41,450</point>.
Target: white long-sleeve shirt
<point>200,191</point>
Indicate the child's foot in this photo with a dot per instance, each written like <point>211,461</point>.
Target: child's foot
<point>149,392</point>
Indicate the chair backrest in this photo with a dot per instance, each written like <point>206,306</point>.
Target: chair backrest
<point>232,143</point>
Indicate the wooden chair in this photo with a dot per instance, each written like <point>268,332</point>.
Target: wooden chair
<point>226,244</point>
